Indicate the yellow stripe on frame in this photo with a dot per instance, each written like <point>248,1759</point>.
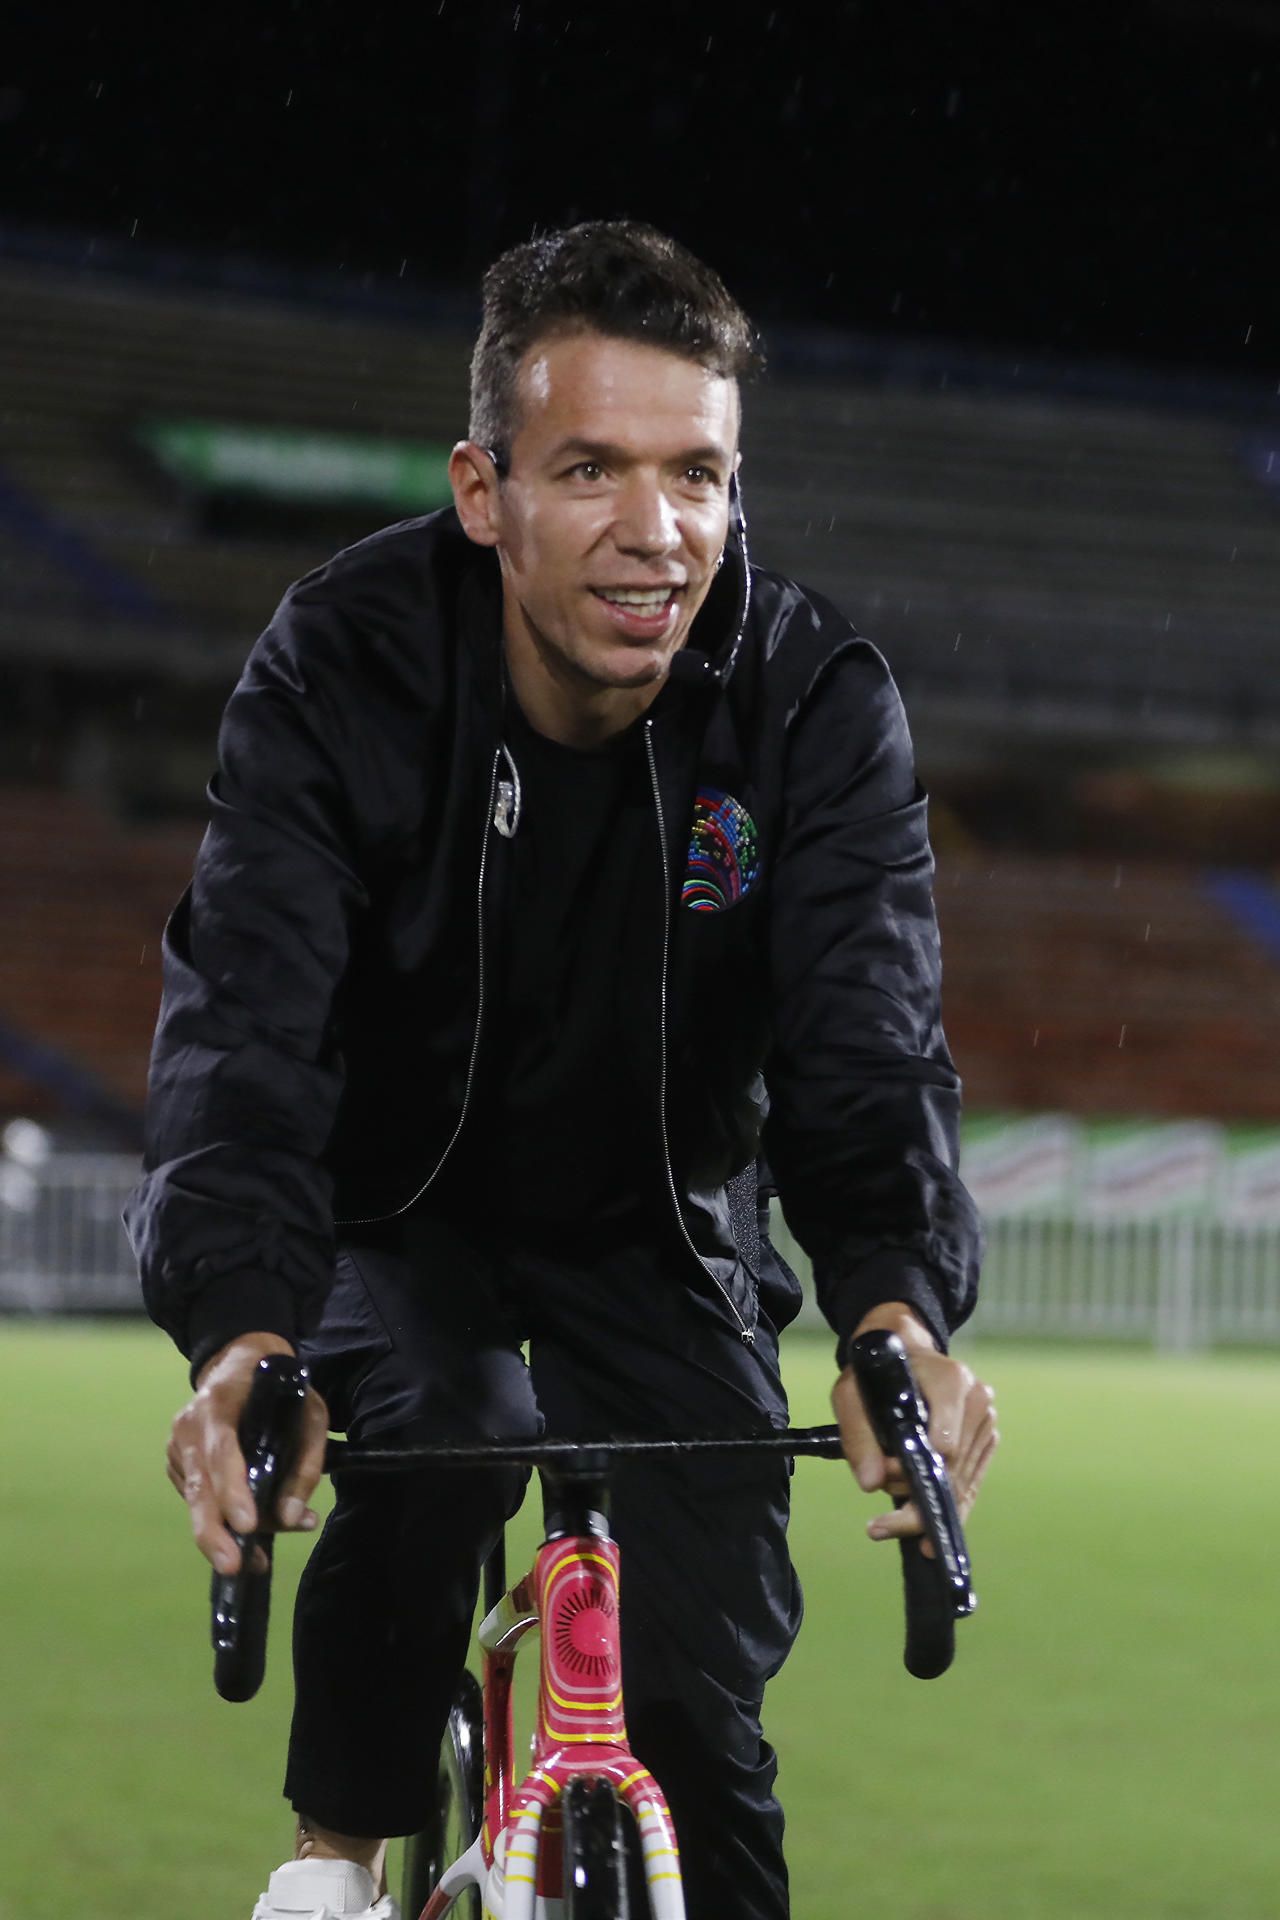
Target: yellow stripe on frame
<point>587,1560</point>
<point>586,1706</point>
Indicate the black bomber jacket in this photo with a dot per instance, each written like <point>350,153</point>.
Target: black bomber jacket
<point>324,975</point>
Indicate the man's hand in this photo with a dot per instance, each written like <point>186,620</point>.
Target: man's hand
<point>207,1468</point>
<point>962,1424</point>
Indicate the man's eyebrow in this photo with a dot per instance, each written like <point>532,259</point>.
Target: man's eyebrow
<point>608,454</point>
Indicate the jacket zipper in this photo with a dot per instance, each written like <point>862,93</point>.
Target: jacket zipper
<point>747,1333</point>
<point>373,1218</point>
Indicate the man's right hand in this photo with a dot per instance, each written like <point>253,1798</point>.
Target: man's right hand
<point>207,1468</point>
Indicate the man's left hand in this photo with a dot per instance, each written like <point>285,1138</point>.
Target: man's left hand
<point>962,1424</point>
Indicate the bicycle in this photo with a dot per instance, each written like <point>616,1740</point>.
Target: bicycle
<point>587,1833</point>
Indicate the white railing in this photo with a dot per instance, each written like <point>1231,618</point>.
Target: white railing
<point>1179,1283</point>
<point>62,1247</point>
<point>1182,1284</point>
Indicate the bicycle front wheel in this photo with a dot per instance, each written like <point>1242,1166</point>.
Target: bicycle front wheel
<point>603,1868</point>
<point>456,1811</point>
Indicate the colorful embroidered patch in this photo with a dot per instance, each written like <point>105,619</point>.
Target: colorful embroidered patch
<point>724,853</point>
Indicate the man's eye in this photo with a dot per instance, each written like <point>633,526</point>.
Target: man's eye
<point>700,476</point>
<point>588,470</point>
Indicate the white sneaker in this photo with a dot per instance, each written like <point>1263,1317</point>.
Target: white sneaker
<point>323,1890</point>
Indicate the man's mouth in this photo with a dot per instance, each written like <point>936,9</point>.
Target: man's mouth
<point>639,600</point>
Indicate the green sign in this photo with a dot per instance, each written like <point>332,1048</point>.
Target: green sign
<point>296,466</point>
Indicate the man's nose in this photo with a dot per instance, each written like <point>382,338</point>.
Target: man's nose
<point>647,521</point>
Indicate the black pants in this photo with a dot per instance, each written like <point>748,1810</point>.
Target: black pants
<point>421,1339</point>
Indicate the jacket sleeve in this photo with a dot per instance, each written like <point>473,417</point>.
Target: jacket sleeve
<point>863,1132</point>
<point>232,1220</point>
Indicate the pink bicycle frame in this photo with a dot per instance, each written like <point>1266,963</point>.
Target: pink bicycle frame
<point>573,1594</point>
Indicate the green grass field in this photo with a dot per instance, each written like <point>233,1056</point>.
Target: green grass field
<point>1108,1743</point>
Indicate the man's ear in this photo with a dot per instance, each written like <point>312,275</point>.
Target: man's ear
<point>474,480</point>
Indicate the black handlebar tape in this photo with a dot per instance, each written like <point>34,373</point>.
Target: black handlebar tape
<point>270,1430</point>
<point>936,1592</point>
<point>930,1624</point>
<point>343,1456</point>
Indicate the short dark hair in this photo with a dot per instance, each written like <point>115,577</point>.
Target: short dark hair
<point>620,278</point>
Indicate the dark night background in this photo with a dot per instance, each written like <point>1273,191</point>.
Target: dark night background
<point>1075,181</point>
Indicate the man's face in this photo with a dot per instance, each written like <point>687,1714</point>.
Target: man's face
<point>613,517</point>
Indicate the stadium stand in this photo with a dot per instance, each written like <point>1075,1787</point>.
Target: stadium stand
<point>82,903</point>
<point>1031,561</point>
<point>1024,558</point>
<point>1038,567</point>
<point>1071,986</point>
<point>85,357</point>
<point>1088,987</point>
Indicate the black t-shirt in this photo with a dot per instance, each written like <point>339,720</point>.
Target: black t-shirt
<point>555,1135</point>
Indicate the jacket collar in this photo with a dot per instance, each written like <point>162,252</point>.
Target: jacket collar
<point>716,639</point>
<point>480,622</point>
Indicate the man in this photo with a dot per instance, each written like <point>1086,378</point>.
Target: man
<point>558,861</point>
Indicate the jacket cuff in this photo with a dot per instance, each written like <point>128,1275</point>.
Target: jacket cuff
<point>889,1275</point>
<point>236,1303</point>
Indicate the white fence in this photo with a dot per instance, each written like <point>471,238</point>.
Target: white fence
<point>1181,1284</point>
<point>62,1247</point>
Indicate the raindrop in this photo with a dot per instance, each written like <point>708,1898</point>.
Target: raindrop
<point>1248,333</point>
<point>953,103</point>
